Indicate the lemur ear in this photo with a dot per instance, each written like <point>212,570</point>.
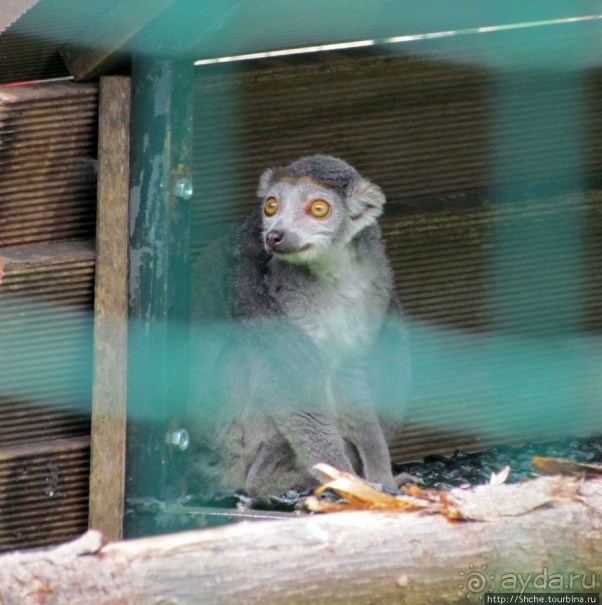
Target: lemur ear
<point>365,202</point>
<point>265,180</point>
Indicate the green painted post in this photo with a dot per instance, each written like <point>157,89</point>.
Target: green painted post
<point>160,202</point>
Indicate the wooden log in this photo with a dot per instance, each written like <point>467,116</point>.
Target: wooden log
<point>350,557</point>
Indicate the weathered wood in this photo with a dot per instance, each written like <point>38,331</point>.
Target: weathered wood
<point>43,258</point>
<point>354,557</point>
<point>46,185</point>
<point>56,446</point>
<point>43,491</point>
<point>111,305</point>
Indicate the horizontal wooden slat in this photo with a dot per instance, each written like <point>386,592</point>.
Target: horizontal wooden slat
<point>46,302</point>
<point>47,170</point>
<point>23,421</point>
<point>43,492</point>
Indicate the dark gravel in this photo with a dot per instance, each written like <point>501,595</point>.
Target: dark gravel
<point>447,472</point>
<point>443,472</point>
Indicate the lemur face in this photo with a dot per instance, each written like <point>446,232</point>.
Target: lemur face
<point>302,220</point>
<point>314,205</point>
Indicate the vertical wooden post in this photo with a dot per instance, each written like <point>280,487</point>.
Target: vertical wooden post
<point>111,311</point>
<point>160,201</point>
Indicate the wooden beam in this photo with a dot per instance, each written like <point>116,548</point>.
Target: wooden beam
<point>99,48</point>
<point>111,311</point>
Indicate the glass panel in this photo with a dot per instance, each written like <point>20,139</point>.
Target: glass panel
<point>485,142</point>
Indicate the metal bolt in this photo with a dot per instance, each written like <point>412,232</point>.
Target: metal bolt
<point>180,439</point>
<point>183,189</point>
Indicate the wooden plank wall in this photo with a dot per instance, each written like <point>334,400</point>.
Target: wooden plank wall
<point>47,227</point>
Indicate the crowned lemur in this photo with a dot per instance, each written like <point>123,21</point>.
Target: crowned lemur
<point>298,335</point>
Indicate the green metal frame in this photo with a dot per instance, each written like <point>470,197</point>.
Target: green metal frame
<point>160,198</point>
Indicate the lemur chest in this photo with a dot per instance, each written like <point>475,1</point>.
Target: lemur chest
<point>341,313</point>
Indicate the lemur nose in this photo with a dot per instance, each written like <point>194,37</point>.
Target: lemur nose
<point>274,238</point>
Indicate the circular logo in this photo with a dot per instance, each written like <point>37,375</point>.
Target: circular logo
<point>475,581</point>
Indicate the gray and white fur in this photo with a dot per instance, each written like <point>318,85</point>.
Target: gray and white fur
<point>299,335</point>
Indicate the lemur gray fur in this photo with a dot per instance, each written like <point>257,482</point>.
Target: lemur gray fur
<point>301,335</point>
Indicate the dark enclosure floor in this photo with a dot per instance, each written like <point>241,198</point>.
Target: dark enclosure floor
<point>447,472</point>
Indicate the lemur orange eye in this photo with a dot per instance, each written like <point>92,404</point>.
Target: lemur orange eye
<point>319,208</point>
<point>271,206</point>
